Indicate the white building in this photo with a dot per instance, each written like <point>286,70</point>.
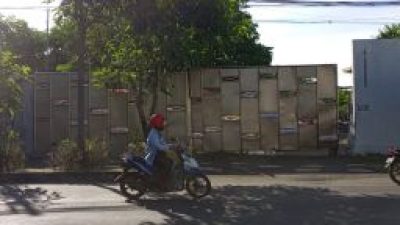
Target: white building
<point>376,118</point>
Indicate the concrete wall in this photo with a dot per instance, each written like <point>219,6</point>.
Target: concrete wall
<point>376,123</point>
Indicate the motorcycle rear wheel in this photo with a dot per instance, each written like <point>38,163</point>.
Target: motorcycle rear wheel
<point>198,186</point>
<point>394,171</point>
<point>132,186</point>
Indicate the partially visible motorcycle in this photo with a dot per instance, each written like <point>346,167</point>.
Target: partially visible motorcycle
<point>137,177</point>
<point>393,164</point>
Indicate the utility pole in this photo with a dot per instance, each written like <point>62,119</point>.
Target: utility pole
<point>81,47</point>
<point>47,52</point>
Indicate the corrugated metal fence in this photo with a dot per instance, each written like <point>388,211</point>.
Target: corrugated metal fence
<point>239,110</point>
<point>253,110</point>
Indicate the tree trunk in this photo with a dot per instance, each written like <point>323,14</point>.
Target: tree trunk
<point>140,109</point>
<point>81,20</point>
<point>154,102</point>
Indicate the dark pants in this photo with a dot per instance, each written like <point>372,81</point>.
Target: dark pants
<point>162,169</point>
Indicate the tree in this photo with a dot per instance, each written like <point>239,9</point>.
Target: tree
<point>27,45</point>
<point>11,77</point>
<point>344,104</point>
<point>137,44</point>
<point>390,31</point>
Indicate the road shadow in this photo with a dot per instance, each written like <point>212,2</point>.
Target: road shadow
<point>277,205</point>
<point>22,199</point>
<point>228,164</point>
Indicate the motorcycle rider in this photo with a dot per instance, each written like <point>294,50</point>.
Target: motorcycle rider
<point>157,149</point>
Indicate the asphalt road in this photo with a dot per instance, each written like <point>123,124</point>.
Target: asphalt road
<point>301,199</point>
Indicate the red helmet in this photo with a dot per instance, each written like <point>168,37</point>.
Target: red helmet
<point>157,121</point>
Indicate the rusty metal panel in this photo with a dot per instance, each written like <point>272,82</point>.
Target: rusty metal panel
<point>98,98</point>
<point>287,80</point>
<point>231,138</point>
<point>230,111</point>
<point>288,142</point>
<point>42,113</point>
<point>197,144</point>
<point>307,107</point>
<point>307,93</point>
<point>268,97</point>
<point>308,135</point>
<point>288,108</point>
<point>327,81</point>
<point>211,108</point>
<point>327,108</point>
<point>230,98</point>
<point>73,130</point>
<point>42,132</point>
<point>98,127</point>
<point>118,145</point>
<point>60,125</point>
<point>98,113</point>
<point>211,79</point>
<point>176,108</point>
<point>73,110</point>
<point>60,107</point>
<point>249,115</point>
<point>118,109</point>
<point>197,118</point>
<point>212,139</point>
<point>230,74</point>
<point>118,103</point>
<point>195,83</point>
<point>176,117</point>
<point>288,123</point>
<point>73,101</point>
<point>42,95</point>
<point>179,89</point>
<point>249,110</point>
<point>249,79</point>
<point>269,127</point>
<point>327,123</point>
<point>250,142</point>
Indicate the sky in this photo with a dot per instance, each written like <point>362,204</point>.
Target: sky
<point>290,30</point>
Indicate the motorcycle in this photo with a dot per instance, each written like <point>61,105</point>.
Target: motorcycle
<point>393,164</point>
<point>137,177</point>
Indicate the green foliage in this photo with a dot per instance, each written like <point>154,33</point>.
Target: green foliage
<point>12,156</point>
<point>344,102</point>
<point>62,42</point>
<point>28,45</point>
<point>96,153</point>
<point>138,44</point>
<point>11,77</point>
<point>64,68</point>
<point>390,31</point>
<point>67,155</point>
<point>136,144</point>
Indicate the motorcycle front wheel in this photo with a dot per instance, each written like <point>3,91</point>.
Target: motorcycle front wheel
<point>198,186</point>
<point>394,171</point>
<point>132,186</point>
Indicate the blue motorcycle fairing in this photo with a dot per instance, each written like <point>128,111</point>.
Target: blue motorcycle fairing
<point>139,164</point>
<point>193,171</point>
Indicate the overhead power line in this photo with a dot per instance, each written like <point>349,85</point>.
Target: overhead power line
<point>27,7</point>
<point>291,21</point>
<point>266,3</point>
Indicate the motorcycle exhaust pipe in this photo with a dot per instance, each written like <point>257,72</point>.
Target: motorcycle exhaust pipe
<point>118,178</point>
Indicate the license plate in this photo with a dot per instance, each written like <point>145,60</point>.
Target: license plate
<point>389,161</point>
